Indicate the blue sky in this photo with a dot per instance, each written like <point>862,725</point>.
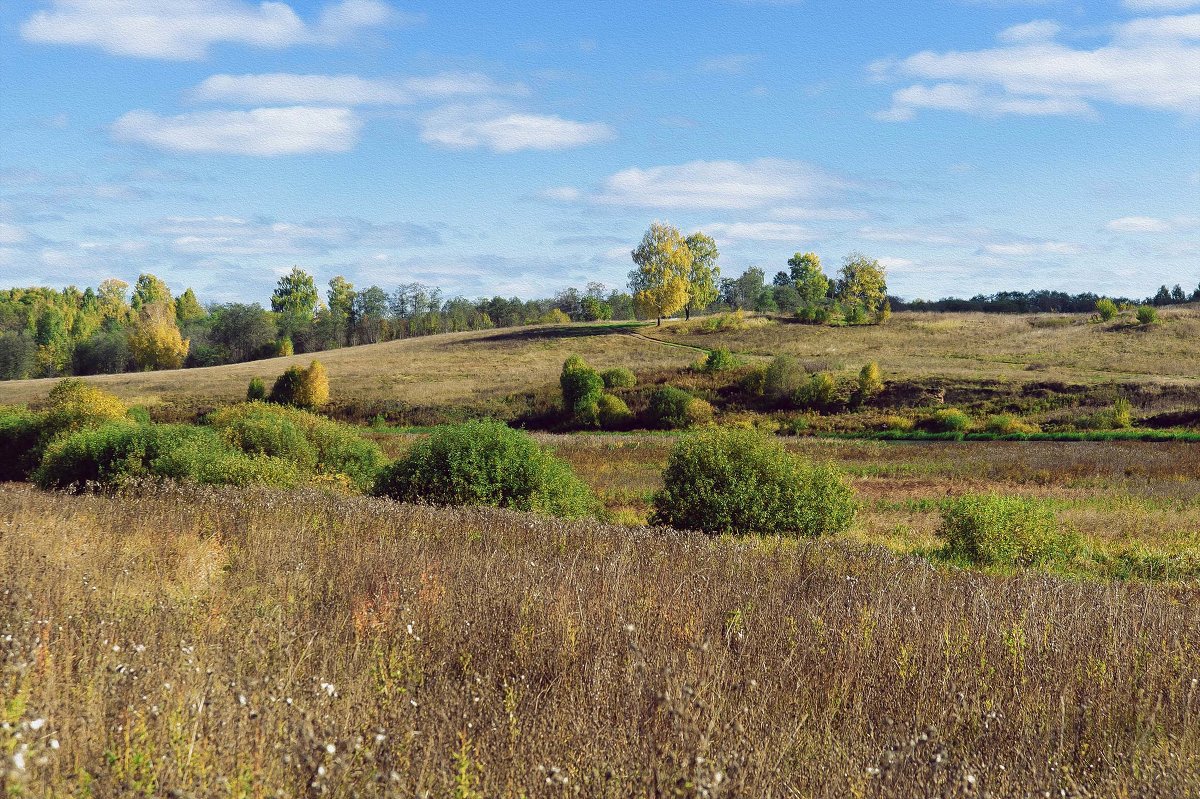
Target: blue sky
<point>521,147</point>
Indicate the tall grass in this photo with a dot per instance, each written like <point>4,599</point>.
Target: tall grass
<point>205,642</point>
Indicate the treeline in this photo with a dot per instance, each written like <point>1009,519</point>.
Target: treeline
<point>112,328</point>
<point>1044,301</point>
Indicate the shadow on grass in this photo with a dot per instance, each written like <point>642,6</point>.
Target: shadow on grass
<point>554,333</point>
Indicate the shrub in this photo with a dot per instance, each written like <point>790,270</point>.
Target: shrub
<point>581,389</point>
<point>739,482</point>
<point>669,408</point>
<point>313,443</point>
<point>870,381</point>
<point>900,423</point>
<point>783,378</point>
<point>855,314</point>
<point>719,360</point>
<point>284,347</point>
<point>819,393</point>
<point>725,323</point>
<point>256,390</point>
<point>949,420</point>
<point>989,529</point>
<point>302,388</point>
<point>618,377</point>
<point>555,316</point>
<point>1122,414</point>
<point>613,413</point>
<point>485,463</point>
<point>1106,308</point>
<point>1005,424</point>
<point>1147,315</point>
<point>117,453</point>
<point>699,413</point>
<point>74,405</point>
<point>20,433</point>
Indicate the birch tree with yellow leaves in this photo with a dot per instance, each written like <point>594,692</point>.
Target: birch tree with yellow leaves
<point>660,284</point>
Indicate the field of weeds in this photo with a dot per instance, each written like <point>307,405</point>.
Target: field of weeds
<point>188,642</point>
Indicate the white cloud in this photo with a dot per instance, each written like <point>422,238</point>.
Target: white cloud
<point>12,234</point>
<point>186,29</point>
<point>793,213</point>
<point>259,131</point>
<point>1160,5</point>
<point>758,231</point>
<point>926,237</point>
<point>463,127</point>
<point>282,87</point>
<point>562,194</point>
<point>896,264</point>
<point>1039,30</point>
<point>1031,249</point>
<point>728,185</point>
<point>230,236</point>
<point>1149,63</point>
<point>1139,224</point>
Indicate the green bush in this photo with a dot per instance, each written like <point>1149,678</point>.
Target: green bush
<point>20,435</point>
<point>738,481</point>
<point>669,408</point>
<point>949,420</point>
<point>1147,315</point>
<point>581,389</point>
<point>486,463</point>
<point>783,379</point>
<point>307,389</point>
<point>855,314</point>
<point>74,405</point>
<point>613,413</point>
<point>1005,424</point>
<point>256,391</point>
<point>312,442</point>
<point>870,381</point>
<point>116,453</point>
<point>1106,308</point>
<point>719,360</point>
<point>618,377</point>
<point>699,413</point>
<point>994,530</point>
<point>819,393</point>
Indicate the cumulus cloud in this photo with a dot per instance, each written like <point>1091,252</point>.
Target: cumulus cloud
<point>260,131</point>
<point>726,185</point>
<point>186,29</point>
<point>1153,63</point>
<point>1150,224</point>
<point>464,127</point>
<point>282,87</point>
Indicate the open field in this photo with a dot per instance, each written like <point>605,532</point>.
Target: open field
<point>1135,504</point>
<point>968,357</point>
<point>242,643</point>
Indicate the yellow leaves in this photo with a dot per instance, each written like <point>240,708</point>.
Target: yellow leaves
<point>661,282</point>
<point>155,341</point>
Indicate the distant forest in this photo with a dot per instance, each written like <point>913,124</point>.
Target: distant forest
<point>116,328</point>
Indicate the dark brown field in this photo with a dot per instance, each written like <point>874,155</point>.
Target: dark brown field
<point>224,643</point>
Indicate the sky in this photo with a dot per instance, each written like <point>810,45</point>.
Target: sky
<point>517,148</point>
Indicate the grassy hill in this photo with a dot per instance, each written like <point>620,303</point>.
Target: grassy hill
<point>973,355</point>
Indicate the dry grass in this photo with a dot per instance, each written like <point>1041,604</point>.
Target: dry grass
<point>450,369</point>
<point>981,346</point>
<point>223,643</point>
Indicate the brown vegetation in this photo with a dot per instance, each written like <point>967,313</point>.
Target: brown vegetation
<point>237,643</point>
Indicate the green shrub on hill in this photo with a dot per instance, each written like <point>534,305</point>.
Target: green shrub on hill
<point>302,388</point>
<point>783,379</point>
<point>618,377</point>
<point>581,389</point>
<point>613,413</point>
<point>739,482</point>
<point>675,409</point>
<point>74,405</point>
<point>486,463</point>
<point>719,360</point>
<point>20,434</point>
<point>256,390</point>
<point>949,420</point>
<point>994,530</point>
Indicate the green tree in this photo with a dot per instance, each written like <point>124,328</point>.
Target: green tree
<point>111,300</point>
<point>660,284</point>
<point>150,291</point>
<point>340,298</point>
<point>863,282</point>
<point>808,278</point>
<point>188,308</point>
<point>295,300</point>
<point>704,273</point>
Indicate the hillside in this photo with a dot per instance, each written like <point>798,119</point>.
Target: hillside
<point>479,368</point>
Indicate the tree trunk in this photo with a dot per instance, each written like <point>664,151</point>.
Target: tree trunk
<point>659,322</point>
<point>687,313</point>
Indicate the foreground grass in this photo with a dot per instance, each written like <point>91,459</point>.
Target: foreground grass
<point>240,643</point>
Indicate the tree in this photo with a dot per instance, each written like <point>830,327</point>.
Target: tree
<point>188,308</point>
<point>581,387</point>
<point>16,355</point>
<point>111,300</point>
<point>243,330</point>
<point>150,291</point>
<point>370,309</point>
<point>704,272</point>
<point>744,291</point>
<point>808,278</point>
<point>863,282</point>
<point>295,300</point>
<point>660,284</point>
<point>154,340</point>
<point>340,297</point>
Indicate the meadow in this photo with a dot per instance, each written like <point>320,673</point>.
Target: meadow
<point>205,642</point>
<point>177,639</point>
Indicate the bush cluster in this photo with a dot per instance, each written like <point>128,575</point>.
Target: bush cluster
<point>673,408</point>
<point>301,388</point>
<point>618,377</point>
<point>994,530</point>
<point>740,482</point>
<point>582,386</point>
<point>949,420</point>
<point>719,360</point>
<point>486,463</point>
